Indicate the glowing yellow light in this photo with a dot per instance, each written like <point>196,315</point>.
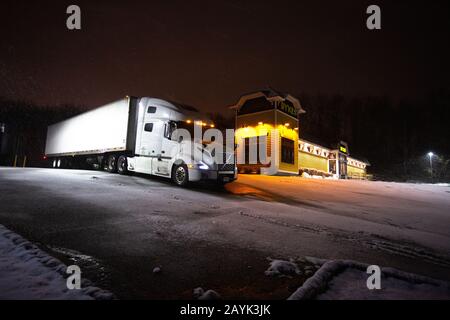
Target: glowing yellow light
<point>188,121</point>
<point>212,125</point>
<point>296,129</point>
<point>286,124</point>
<point>203,123</point>
<point>260,123</point>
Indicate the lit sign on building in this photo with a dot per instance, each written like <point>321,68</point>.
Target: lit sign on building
<point>286,107</point>
<point>342,149</point>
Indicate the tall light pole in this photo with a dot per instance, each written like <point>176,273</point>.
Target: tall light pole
<point>430,155</point>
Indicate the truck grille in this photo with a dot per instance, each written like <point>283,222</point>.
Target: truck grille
<point>226,167</point>
<point>228,162</point>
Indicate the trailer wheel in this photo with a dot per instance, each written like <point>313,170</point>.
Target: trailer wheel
<point>122,165</point>
<point>54,163</point>
<point>58,163</point>
<point>180,175</point>
<point>111,165</point>
<point>64,163</point>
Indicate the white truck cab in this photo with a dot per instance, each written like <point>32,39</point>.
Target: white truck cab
<point>157,151</point>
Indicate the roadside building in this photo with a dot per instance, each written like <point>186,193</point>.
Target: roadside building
<point>283,151</point>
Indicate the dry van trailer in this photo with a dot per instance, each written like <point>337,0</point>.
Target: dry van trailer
<point>98,137</point>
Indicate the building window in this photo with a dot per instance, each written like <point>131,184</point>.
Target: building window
<point>259,144</point>
<point>332,166</point>
<point>247,150</point>
<point>287,151</point>
<point>151,110</point>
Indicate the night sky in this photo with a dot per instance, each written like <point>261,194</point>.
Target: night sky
<point>208,53</point>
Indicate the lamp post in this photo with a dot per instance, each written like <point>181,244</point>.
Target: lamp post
<point>430,155</point>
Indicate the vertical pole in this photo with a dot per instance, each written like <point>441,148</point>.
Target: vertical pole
<point>15,161</point>
<point>431,168</point>
<point>24,161</point>
<point>338,165</point>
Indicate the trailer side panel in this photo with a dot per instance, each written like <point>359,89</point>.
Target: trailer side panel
<point>100,130</point>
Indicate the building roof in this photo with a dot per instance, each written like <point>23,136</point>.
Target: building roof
<point>271,95</point>
<point>360,159</point>
<point>329,146</point>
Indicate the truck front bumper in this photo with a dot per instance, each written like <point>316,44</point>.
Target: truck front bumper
<point>219,176</point>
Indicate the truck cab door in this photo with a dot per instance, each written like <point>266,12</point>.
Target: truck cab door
<point>151,139</point>
<point>163,164</point>
<point>150,146</point>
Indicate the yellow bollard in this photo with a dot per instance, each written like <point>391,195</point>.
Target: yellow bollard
<point>24,161</point>
<point>15,161</point>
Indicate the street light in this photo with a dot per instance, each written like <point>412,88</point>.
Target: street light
<point>430,155</point>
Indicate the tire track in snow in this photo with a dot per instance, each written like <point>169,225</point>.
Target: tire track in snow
<point>413,251</point>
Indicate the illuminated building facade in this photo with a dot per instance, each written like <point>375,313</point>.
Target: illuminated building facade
<point>282,151</point>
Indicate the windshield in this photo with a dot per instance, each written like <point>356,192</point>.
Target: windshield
<point>185,125</point>
<point>189,127</point>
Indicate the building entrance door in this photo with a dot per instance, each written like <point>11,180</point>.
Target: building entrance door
<point>342,166</point>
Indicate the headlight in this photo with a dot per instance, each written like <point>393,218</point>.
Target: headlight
<point>202,166</point>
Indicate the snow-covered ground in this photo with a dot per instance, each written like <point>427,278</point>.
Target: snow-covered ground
<point>26,272</point>
<point>409,212</point>
<point>346,280</point>
<point>137,223</point>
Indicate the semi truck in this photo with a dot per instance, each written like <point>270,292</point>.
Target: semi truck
<point>136,135</point>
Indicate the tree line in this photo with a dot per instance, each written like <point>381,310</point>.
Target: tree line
<point>394,136</point>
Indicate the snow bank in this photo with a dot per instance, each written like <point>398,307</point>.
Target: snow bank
<point>282,268</point>
<point>26,272</point>
<point>346,279</point>
<point>311,176</point>
<point>201,294</point>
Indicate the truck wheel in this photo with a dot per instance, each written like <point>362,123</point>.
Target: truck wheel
<point>122,165</point>
<point>180,175</point>
<point>111,165</point>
